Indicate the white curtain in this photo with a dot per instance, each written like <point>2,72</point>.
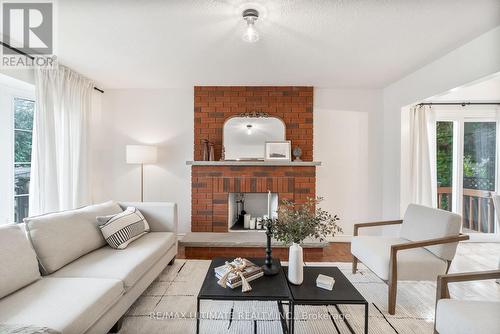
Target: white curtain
<point>423,184</point>
<point>60,156</point>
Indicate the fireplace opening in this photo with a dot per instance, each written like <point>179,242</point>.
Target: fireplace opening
<point>247,210</point>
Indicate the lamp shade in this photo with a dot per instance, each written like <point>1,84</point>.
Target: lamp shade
<point>141,154</point>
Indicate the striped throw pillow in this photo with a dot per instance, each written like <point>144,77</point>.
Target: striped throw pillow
<point>121,229</point>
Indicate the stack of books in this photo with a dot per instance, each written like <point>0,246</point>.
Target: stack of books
<point>251,272</point>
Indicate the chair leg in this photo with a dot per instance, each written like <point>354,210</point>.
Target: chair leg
<point>354,264</point>
<point>393,289</point>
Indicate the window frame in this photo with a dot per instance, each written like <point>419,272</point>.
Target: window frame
<point>14,196</point>
<point>459,116</point>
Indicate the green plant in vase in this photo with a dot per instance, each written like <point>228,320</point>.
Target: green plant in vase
<point>294,223</point>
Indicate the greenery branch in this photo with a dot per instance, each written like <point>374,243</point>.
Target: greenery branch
<point>296,222</point>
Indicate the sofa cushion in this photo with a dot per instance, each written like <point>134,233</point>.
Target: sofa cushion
<point>62,237</point>
<point>463,316</point>
<point>127,265</point>
<point>422,222</point>
<point>18,264</point>
<point>67,305</point>
<point>413,264</point>
<point>121,229</point>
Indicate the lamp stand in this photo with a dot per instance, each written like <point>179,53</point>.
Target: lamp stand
<point>142,182</point>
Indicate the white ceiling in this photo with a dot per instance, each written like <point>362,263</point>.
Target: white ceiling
<point>323,43</point>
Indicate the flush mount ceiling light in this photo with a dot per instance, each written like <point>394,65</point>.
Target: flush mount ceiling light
<point>250,16</point>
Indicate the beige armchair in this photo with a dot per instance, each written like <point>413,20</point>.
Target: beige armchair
<point>465,316</point>
<point>423,250</point>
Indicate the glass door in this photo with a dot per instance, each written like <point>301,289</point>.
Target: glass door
<point>479,175</point>
<point>466,166</point>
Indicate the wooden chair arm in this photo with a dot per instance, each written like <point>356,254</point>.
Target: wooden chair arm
<point>393,263</point>
<point>372,224</point>
<point>443,280</point>
<point>429,242</point>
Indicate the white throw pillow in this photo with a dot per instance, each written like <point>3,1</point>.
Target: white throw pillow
<point>121,229</point>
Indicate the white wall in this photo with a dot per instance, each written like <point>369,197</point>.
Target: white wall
<point>487,89</point>
<point>472,61</point>
<point>162,117</point>
<point>347,139</point>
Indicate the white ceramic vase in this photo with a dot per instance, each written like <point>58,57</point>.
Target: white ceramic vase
<point>295,264</point>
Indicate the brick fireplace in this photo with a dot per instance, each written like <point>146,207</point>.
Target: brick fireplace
<point>211,186</point>
<point>212,182</point>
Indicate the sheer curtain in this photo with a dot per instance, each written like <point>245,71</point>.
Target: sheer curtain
<point>60,155</point>
<point>423,184</point>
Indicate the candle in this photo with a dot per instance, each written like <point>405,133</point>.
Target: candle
<point>269,204</point>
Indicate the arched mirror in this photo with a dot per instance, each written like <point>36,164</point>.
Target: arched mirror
<point>244,138</point>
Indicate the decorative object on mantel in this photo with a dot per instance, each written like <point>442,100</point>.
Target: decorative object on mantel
<point>141,154</point>
<point>294,223</point>
<point>205,150</point>
<point>244,137</point>
<point>223,154</point>
<point>238,272</point>
<point>211,152</point>
<point>277,151</point>
<point>254,114</point>
<point>297,153</point>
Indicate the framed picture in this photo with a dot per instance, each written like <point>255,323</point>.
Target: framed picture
<point>278,151</point>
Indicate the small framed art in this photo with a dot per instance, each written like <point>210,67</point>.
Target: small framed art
<point>278,150</point>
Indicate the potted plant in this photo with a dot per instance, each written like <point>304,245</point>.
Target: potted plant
<point>296,222</point>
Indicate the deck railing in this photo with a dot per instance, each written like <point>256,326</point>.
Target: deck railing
<point>478,213</point>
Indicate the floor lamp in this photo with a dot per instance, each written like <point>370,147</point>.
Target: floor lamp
<point>141,154</point>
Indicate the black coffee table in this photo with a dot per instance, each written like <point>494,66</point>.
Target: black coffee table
<point>266,288</point>
<point>309,294</point>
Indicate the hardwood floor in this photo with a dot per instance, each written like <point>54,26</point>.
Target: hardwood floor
<point>471,256</point>
<point>335,252</point>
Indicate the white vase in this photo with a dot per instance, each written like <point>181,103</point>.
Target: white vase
<point>295,264</point>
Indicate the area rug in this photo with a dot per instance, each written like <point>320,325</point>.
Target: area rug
<point>169,306</point>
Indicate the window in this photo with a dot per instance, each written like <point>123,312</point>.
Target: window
<point>23,134</point>
<point>466,165</point>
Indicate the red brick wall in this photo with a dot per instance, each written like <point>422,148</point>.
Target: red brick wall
<point>214,104</point>
<point>212,184</point>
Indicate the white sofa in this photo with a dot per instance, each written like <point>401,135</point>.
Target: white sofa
<point>58,272</point>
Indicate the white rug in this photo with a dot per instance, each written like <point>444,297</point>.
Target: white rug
<point>169,306</point>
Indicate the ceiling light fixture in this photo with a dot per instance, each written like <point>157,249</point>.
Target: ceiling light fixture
<point>249,129</point>
<point>250,16</point>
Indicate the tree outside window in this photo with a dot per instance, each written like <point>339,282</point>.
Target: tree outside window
<point>23,133</point>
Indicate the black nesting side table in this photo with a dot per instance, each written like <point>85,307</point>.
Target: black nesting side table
<point>267,288</point>
<point>309,294</point>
